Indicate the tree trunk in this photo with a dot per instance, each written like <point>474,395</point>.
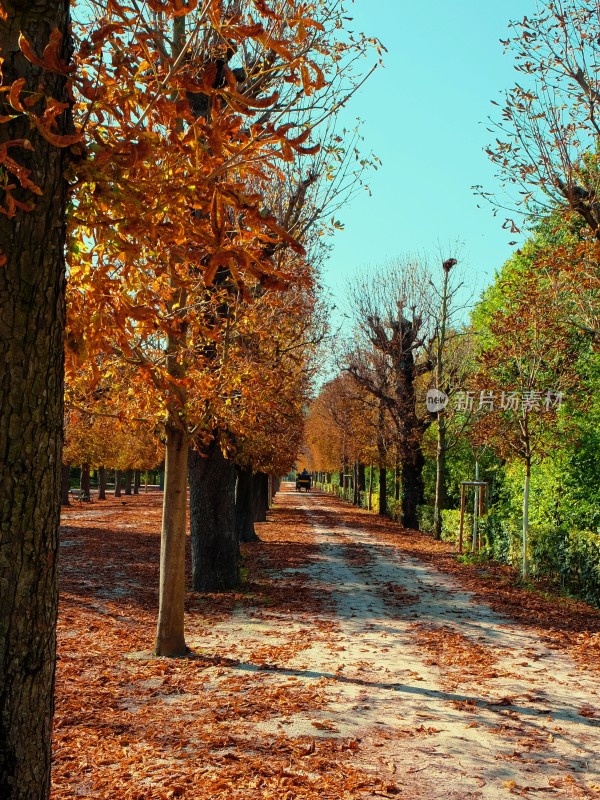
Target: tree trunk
<point>85,484</point>
<point>32,320</point>
<point>381,452</point>
<point>244,507</point>
<point>117,483</point>
<point>101,483</point>
<point>357,484</point>
<point>260,486</point>
<point>370,501</point>
<point>170,639</point>
<point>397,481</point>
<point>137,480</point>
<point>128,481</point>
<point>275,484</point>
<point>215,548</point>
<point>525,568</point>
<point>360,477</point>
<point>65,485</point>
<point>412,487</point>
<point>382,490</point>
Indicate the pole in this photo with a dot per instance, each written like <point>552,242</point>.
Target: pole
<point>475,510</point>
<point>462,519</point>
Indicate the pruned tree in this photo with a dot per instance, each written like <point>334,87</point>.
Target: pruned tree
<point>390,351</point>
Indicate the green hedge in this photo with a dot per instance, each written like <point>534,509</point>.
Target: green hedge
<point>568,558</point>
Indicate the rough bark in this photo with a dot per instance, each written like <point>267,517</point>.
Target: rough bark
<point>383,509</point>
<point>410,431</point>
<point>382,453</point>
<point>32,319</point>
<point>260,488</point>
<point>525,544</point>
<point>360,477</point>
<point>101,483</point>
<point>128,481</point>
<point>274,485</point>
<point>412,488</point>
<point>117,483</point>
<point>137,480</point>
<point>215,547</point>
<point>244,507</point>
<point>170,638</point>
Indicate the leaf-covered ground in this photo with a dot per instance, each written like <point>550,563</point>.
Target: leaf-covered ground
<point>359,661</point>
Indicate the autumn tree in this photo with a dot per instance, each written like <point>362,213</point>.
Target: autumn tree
<point>283,363</point>
<point>302,195</point>
<point>341,432</point>
<point>185,133</point>
<point>546,149</point>
<point>390,351</point>
<point>32,279</point>
<point>105,441</point>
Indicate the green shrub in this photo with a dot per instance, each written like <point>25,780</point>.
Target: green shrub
<point>394,508</point>
<point>501,538</point>
<point>425,517</point>
<point>581,571</point>
<point>451,524</point>
<point>547,551</point>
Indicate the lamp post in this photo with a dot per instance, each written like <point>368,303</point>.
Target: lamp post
<point>440,494</point>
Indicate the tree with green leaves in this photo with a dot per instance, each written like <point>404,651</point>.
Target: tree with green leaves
<point>525,371</point>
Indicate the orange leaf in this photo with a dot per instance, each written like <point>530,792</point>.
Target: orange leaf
<point>57,139</point>
<point>52,58</point>
<point>15,91</point>
<point>89,90</point>
<point>217,216</point>
<point>29,52</point>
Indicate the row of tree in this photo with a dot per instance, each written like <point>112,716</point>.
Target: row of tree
<point>515,387</point>
<point>184,157</point>
<point>525,378</point>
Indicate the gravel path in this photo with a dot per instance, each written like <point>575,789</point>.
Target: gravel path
<point>444,695</point>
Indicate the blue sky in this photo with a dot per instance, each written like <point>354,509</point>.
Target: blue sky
<point>424,114</point>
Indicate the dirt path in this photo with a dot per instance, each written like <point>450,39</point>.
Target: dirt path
<point>348,669</point>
